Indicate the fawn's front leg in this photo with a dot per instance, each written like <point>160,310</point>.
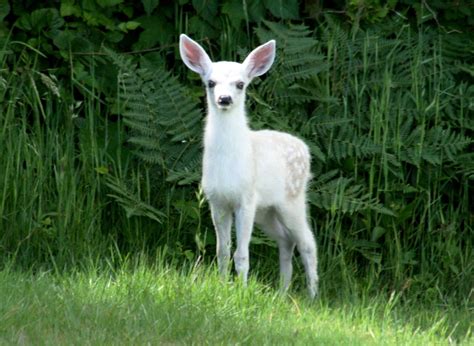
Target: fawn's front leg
<point>244,219</point>
<point>222,219</point>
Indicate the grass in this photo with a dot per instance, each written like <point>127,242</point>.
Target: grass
<point>141,304</point>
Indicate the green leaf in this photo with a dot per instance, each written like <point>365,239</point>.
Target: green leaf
<point>109,3</point>
<point>149,6</point>
<point>71,40</point>
<point>256,11</point>
<point>102,170</point>
<point>47,221</point>
<point>39,20</point>
<point>235,11</point>
<point>126,26</point>
<point>201,28</point>
<point>114,36</point>
<point>284,9</point>
<point>207,9</point>
<point>4,9</point>
<point>155,30</point>
<point>24,22</point>
<point>377,232</point>
<point>69,8</point>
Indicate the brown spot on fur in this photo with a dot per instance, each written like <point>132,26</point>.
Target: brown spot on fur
<point>297,159</point>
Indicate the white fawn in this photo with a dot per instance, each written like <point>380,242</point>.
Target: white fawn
<point>257,176</point>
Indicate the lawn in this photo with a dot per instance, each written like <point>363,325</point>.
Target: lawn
<point>162,305</point>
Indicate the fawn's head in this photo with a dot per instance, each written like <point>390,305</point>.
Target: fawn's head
<point>226,81</point>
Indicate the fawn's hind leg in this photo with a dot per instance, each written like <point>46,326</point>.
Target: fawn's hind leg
<point>270,224</point>
<point>293,217</point>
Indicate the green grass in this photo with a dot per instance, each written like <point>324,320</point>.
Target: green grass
<point>158,304</point>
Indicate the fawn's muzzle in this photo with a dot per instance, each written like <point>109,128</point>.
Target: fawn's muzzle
<point>224,100</point>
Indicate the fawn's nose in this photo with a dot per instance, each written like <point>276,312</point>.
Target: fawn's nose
<point>224,100</point>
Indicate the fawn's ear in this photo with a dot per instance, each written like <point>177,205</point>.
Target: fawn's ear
<point>260,59</point>
<point>194,56</point>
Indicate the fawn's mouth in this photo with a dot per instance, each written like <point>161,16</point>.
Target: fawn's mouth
<point>223,107</point>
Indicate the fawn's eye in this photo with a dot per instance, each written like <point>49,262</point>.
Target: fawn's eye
<point>211,84</point>
<point>240,85</point>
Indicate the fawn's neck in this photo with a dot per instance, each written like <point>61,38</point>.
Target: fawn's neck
<point>228,155</point>
<point>227,130</point>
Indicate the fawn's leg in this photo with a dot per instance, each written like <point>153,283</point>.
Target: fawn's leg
<point>270,224</point>
<point>244,218</point>
<point>222,219</point>
<point>286,248</point>
<point>294,218</point>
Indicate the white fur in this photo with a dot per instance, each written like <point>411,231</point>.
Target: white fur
<point>259,176</point>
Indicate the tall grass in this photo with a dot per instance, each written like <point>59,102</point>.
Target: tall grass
<point>403,124</point>
<point>52,198</point>
<point>61,150</point>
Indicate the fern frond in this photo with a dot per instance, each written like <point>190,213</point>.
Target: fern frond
<point>130,201</point>
<point>163,118</point>
<point>435,146</point>
<point>344,142</point>
<point>298,61</point>
<point>342,195</point>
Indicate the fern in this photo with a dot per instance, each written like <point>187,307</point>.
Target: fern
<point>298,61</point>
<point>356,98</point>
<point>165,121</point>
<point>131,201</point>
<point>370,98</point>
<point>347,143</point>
<point>435,147</point>
<point>343,195</point>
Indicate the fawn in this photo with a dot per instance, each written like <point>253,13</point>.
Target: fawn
<point>256,176</point>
